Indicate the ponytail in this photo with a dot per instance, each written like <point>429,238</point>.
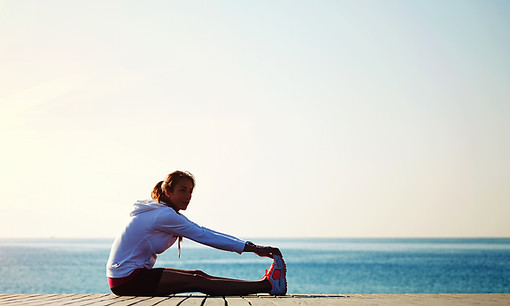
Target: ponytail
<point>157,192</point>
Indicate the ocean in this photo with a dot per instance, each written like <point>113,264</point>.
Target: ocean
<point>330,266</point>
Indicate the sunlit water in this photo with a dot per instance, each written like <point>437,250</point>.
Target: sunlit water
<point>314,265</point>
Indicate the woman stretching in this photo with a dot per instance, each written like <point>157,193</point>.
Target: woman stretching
<point>155,226</point>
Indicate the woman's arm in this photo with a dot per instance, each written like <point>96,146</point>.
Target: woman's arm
<point>266,251</point>
<point>171,222</point>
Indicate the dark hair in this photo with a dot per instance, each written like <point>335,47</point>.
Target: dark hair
<point>169,184</point>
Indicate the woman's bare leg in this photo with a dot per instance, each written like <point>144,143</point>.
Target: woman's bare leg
<point>199,272</point>
<point>174,281</point>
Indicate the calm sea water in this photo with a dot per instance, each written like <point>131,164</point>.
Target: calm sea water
<point>314,265</point>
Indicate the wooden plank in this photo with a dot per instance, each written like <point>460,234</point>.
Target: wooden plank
<point>124,300</point>
<point>193,300</point>
<point>73,299</point>
<point>18,298</point>
<point>9,298</point>
<point>295,300</point>
<point>100,299</point>
<point>40,299</point>
<point>314,299</point>
<point>215,301</point>
<point>262,300</point>
<point>286,300</point>
<point>181,300</point>
<point>56,299</point>
<point>438,299</point>
<point>320,300</point>
<point>159,300</point>
<point>110,299</point>
<point>106,300</point>
<point>236,301</point>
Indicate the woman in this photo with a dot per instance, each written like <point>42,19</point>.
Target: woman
<point>155,225</point>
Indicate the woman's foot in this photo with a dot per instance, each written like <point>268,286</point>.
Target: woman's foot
<point>276,275</point>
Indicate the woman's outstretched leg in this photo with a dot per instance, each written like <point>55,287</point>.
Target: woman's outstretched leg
<point>199,272</point>
<point>178,281</point>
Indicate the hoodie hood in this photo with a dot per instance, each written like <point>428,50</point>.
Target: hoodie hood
<point>142,206</point>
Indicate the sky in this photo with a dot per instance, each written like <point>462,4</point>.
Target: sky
<point>297,118</point>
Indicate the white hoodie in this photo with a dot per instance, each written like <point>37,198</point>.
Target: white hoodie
<point>153,229</point>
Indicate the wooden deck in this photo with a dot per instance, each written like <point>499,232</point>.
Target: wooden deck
<point>299,299</point>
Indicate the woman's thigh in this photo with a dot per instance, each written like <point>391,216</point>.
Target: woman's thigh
<point>144,283</point>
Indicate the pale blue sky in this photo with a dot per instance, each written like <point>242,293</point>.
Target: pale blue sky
<point>298,118</point>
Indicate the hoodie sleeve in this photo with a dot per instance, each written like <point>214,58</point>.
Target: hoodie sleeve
<point>171,222</point>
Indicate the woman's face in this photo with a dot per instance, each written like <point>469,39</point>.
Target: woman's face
<point>181,195</point>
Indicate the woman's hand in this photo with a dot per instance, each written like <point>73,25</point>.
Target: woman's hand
<point>263,251</point>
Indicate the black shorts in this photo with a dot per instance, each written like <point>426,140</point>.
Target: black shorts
<point>145,283</point>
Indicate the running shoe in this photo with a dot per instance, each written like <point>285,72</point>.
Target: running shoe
<point>277,276</point>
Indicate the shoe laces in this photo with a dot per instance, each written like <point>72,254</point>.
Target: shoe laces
<point>268,272</point>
